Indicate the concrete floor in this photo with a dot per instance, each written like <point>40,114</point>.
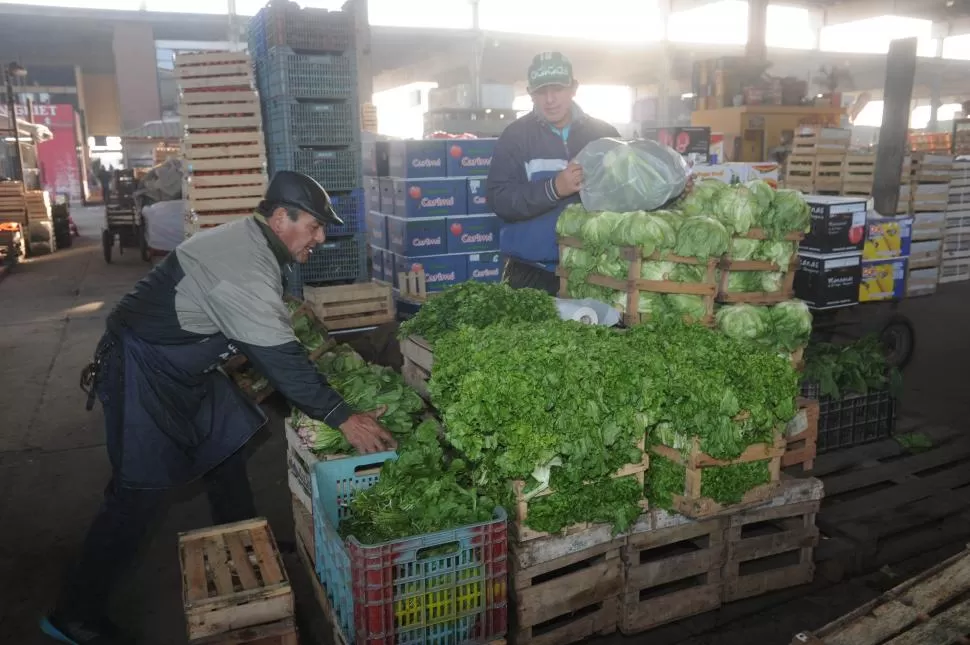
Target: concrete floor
<point>53,464</point>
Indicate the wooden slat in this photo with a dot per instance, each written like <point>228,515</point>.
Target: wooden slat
<point>241,81</point>
<point>215,551</point>
<point>193,140</point>
<point>222,123</point>
<point>265,551</point>
<point>240,561</point>
<point>209,58</point>
<point>241,68</point>
<point>193,567</point>
<point>204,98</point>
<point>220,530</point>
<point>198,193</point>
<point>192,111</point>
<point>215,165</point>
<point>227,204</point>
<point>211,181</point>
<point>255,150</point>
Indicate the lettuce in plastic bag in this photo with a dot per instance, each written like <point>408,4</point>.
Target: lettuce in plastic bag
<point>626,176</point>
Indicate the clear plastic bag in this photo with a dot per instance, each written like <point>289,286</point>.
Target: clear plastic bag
<point>625,176</point>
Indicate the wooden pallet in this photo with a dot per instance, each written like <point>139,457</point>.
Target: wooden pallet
<point>932,608</point>
<point>413,286</point>
<point>634,284</point>
<point>858,173</point>
<point>763,298</point>
<point>232,578</point>
<point>693,504</point>
<point>282,632</point>
<point>889,505</point>
<point>518,526</point>
<point>673,570</point>
<point>352,306</point>
<point>566,598</point>
<point>957,270</point>
<point>769,549</point>
<point>418,360</point>
<point>801,436</point>
<point>303,526</point>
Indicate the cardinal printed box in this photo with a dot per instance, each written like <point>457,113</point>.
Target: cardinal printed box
<point>388,267</point>
<point>430,197</point>
<point>386,189</point>
<point>411,238</point>
<point>838,225</point>
<point>469,157</point>
<point>374,158</point>
<point>440,271</point>
<point>377,263</point>
<point>477,200</point>
<point>485,267</point>
<point>377,229</point>
<point>372,193</point>
<point>472,233</point>
<point>417,159</point>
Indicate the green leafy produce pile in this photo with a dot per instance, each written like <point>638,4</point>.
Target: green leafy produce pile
<point>478,305</point>
<point>610,501</point>
<point>309,335</point>
<point>723,484</point>
<point>422,491</point>
<point>700,226</point>
<point>856,368</point>
<point>782,328</point>
<point>521,401</point>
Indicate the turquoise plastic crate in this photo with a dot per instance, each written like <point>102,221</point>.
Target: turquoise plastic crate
<point>444,588</point>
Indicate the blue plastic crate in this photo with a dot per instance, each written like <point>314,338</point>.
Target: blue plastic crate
<point>335,170</point>
<point>350,208</point>
<point>440,588</point>
<point>284,73</point>
<point>338,260</point>
<point>295,123</point>
<point>305,30</point>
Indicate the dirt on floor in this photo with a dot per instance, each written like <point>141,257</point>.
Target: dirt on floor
<point>53,464</point>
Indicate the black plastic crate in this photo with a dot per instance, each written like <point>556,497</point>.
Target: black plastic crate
<point>285,24</point>
<point>854,419</point>
<point>295,123</point>
<point>284,73</point>
<point>337,261</point>
<point>335,170</point>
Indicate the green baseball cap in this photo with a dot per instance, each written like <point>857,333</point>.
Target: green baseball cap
<point>550,68</point>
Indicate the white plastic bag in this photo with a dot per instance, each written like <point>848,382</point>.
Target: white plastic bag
<point>165,224</point>
<point>625,176</point>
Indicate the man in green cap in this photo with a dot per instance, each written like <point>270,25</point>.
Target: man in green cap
<point>532,176</point>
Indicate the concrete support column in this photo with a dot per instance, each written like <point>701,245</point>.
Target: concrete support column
<point>136,74</point>
<point>816,21</point>
<point>365,68</point>
<point>664,65</point>
<point>757,27</point>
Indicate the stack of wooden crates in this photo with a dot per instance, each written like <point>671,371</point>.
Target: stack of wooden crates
<point>924,195</point>
<point>817,160</point>
<point>222,144</point>
<point>956,233</point>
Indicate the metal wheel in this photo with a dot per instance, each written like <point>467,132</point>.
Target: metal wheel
<point>899,339</point>
<point>107,242</point>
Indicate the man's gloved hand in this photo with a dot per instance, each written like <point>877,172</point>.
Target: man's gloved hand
<point>569,181</point>
<point>366,434</point>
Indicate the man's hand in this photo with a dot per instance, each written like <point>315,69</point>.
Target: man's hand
<point>570,180</point>
<point>366,434</point>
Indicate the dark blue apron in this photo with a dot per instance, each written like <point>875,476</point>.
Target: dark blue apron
<point>169,416</point>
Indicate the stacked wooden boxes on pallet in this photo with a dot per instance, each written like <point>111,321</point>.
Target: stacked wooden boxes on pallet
<point>801,436</point>
<point>222,144</point>
<point>13,205</point>
<point>817,160</point>
<point>956,235</point>
<point>924,195</point>
<point>234,587</point>
<point>858,174</point>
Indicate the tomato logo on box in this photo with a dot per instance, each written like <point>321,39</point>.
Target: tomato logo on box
<point>414,192</point>
<point>455,152</point>
<point>856,233</point>
<point>456,229</point>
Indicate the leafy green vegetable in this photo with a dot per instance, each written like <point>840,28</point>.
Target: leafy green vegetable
<point>915,442</point>
<point>703,197</point>
<point>665,479</point>
<point>689,273</point>
<point>744,322</point>
<point>792,324</point>
<point>778,252</point>
<point>702,237</point>
<point>422,491</point>
<point>785,327</point>
<point>613,501</point>
<point>648,231</point>
<point>743,248</point>
<point>736,208</point>
<point>855,368</point>
<point>763,195</point>
<point>728,484</point>
<point>660,270</point>
<point>788,213</point>
<point>477,304</point>
<point>571,220</point>
<point>691,307</point>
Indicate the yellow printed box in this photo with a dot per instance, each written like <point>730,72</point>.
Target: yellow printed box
<point>887,237</point>
<point>883,280</point>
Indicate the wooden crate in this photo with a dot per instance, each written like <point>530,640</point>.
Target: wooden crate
<point>281,632</point>
<point>827,174</point>
<point>303,526</point>
<point>232,578</point>
<point>764,298</point>
<point>813,140</point>
<point>522,533</point>
<point>858,174</point>
<point>418,360</point>
<point>634,284</point>
<point>800,169</point>
<point>413,286</point>
<point>693,504</point>
<point>673,570</point>
<point>352,306</point>
<point>769,549</point>
<point>930,608</point>
<point>565,599</point>
<point>927,168</point>
<point>801,436</point>
<point>38,204</point>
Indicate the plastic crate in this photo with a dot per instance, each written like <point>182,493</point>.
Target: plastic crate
<point>285,24</point>
<point>294,123</point>
<point>338,260</point>
<point>854,419</point>
<point>440,588</point>
<point>351,209</point>
<point>336,170</point>
<point>283,73</point>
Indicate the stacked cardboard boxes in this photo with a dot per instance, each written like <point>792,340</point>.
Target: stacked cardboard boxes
<point>427,211</point>
<point>955,265</point>
<point>830,257</point>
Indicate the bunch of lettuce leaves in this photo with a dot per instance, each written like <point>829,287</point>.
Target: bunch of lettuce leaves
<point>851,369</point>
<point>784,327</point>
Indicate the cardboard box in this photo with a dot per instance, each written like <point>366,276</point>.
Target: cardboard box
<point>440,271</point>
<point>887,237</point>
<point>387,195</point>
<point>417,159</point>
<point>389,268</point>
<point>883,280</point>
<point>485,267</point>
<point>377,263</point>
<point>375,159</point>
<point>766,171</point>
<point>430,197</point>
<point>928,253</point>
<point>470,157</point>
<point>828,281</point>
<point>922,282</point>
<point>409,238</point>
<point>693,142</point>
<point>838,225</point>
<point>477,199</point>
<point>929,226</point>
<point>473,233</point>
<point>372,194</point>
<point>726,173</point>
<point>376,224</point>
